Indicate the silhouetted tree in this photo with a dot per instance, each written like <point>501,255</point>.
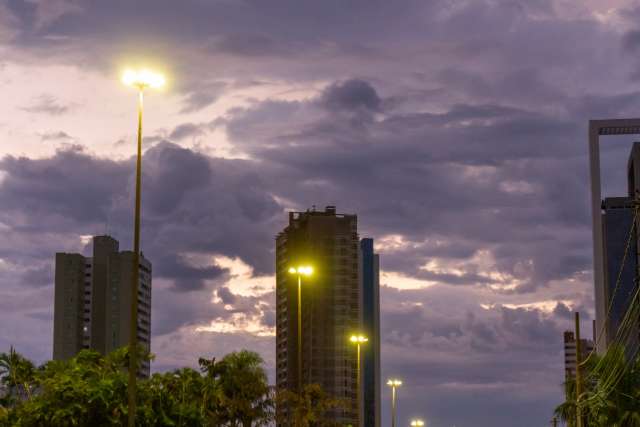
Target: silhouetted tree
<point>91,390</point>
<point>309,408</point>
<point>611,396</point>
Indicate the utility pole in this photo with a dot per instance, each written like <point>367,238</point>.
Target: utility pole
<point>578,373</point>
<point>554,421</point>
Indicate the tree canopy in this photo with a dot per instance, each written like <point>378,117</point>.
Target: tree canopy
<point>611,396</point>
<point>91,390</point>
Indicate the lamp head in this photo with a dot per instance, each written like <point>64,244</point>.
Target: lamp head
<point>303,270</point>
<point>143,79</point>
<point>393,382</point>
<point>358,339</point>
<point>417,423</point>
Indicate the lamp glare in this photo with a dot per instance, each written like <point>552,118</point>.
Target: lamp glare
<point>143,78</point>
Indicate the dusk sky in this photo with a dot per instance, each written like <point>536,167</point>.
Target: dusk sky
<point>455,129</point>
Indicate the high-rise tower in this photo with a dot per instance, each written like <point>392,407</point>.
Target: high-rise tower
<point>619,262</point>
<point>570,353</point>
<point>92,305</point>
<point>370,276</point>
<point>331,306</point>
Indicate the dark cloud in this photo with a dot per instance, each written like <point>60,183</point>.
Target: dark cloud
<point>562,311</point>
<point>55,136</point>
<point>631,41</point>
<point>171,173</point>
<point>426,338</point>
<point>38,276</point>
<point>185,130</point>
<point>226,295</point>
<point>248,44</point>
<point>62,193</point>
<point>490,162</point>
<point>189,210</point>
<point>47,104</point>
<point>200,94</point>
<point>185,277</point>
<point>351,95</point>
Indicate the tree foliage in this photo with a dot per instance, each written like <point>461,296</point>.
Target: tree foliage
<point>91,390</point>
<point>16,375</point>
<point>611,396</point>
<point>309,408</point>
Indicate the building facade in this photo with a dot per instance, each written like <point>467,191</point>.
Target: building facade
<point>331,306</point>
<point>92,307</point>
<point>370,277</point>
<point>619,277</point>
<point>618,283</point>
<point>570,353</point>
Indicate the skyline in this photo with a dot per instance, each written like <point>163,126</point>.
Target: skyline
<point>463,152</point>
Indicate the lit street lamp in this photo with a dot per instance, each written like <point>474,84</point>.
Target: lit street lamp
<point>300,271</point>
<point>393,383</point>
<point>358,340</point>
<point>141,80</point>
<point>417,423</point>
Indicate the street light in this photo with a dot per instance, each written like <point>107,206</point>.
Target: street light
<point>303,270</point>
<point>417,423</point>
<point>393,383</point>
<point>358,340</point>
<point>141,80</point>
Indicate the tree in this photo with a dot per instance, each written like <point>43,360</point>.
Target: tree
<point>17,374</point>
<point>241,388</point>
<point>91,389</point>
<point>171,399</point>
<point>87,389</point>
<point>612,392</point>
<point>309,408</point>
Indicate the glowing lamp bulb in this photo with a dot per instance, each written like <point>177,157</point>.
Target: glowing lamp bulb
<point>143,78</point>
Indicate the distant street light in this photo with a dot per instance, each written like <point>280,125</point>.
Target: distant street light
<point>358,340</point>
<point>393,383</point>
<point>300,271</point>
<point>141,80</point>
<point>417,423</point>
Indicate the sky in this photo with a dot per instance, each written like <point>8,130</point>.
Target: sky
<point>455,129</point>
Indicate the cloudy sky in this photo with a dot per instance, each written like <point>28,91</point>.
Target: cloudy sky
<point>455,129</point>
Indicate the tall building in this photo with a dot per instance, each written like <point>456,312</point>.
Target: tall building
<point>370,276</point>
<point>598,129</point>
<point>331,306</point>
<point>617,220</point>
<point>615,289</point>
<point>92,307</point>
<point>570,353</point>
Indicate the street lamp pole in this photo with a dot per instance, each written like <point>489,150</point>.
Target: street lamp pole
<point>358,340</point>
<point>393,383</point>
<point>141,80</point>
<point>133,328</point>
<point>299,333</point>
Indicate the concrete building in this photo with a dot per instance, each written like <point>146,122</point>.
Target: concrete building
<point>570,360</point>
<point>331,306</point>
<point>600,228</point>
<point>619,277</point>
<point>92,307</point>
<point>370,276</point>
<point>615,282</point>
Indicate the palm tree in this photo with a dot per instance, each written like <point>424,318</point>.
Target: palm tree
<point>17,373</point>
<point>612,392</point>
